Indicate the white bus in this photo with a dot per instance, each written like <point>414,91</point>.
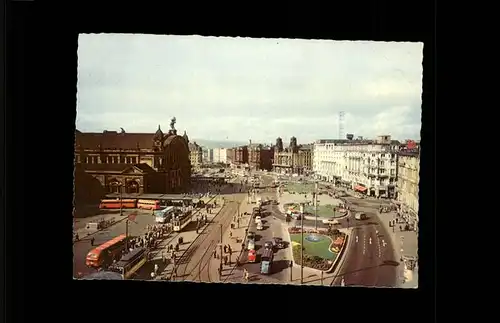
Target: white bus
<point>164,215</point>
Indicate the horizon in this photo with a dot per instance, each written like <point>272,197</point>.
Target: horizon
<point>243,89</point>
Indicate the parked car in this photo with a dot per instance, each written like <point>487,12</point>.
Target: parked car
<point>251,235</point>
<point>258,219</point>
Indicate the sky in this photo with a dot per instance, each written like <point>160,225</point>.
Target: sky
<point>241,89</point>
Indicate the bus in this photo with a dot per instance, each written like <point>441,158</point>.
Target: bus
<point>182,221</point>
<point>130,263</point>
<point>104,254</point>
<point>266,262</point>
<point>164,215</point>
<point>115,204</point>
<point>148,204</point>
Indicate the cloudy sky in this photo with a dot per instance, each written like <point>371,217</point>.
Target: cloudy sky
<point>222,88</point>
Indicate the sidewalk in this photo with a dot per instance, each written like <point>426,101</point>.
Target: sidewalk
<point>165,270</point>
<point>405,243</point>
<point>230,271</point>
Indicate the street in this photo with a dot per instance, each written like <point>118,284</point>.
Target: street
<point>194,264</point>
<point>370,259</point>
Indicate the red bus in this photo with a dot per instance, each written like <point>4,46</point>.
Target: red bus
<point>115,204</point>
<point>107,252</point>
<point>148,204</point>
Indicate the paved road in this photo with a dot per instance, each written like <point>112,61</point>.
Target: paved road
<point>194,264</point>
<point>81,248</point>
<point>272,228</point>
<point>370,260</point>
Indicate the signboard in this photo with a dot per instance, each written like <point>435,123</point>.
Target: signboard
<point>302,208</point>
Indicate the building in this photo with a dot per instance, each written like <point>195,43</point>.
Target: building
<point>230,156</point>
<point>366,166</point>
<point>408,180</point>
<point>260,157</point>
<point>219,155</point>
<point>136,162</point>
<point>195,154</point>
<point>241,156</point>
<point>296,159</point>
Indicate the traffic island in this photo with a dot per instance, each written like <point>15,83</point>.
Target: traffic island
<point>322,248</point>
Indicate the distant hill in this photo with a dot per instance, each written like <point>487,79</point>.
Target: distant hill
<point>218,144</point>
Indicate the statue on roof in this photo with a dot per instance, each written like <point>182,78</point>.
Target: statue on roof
<point>122,130</point>
<point>172,123</point>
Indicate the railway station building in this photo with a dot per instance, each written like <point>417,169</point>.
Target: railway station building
<point>133,162</point>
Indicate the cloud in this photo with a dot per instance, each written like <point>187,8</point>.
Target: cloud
<point>243,88</point>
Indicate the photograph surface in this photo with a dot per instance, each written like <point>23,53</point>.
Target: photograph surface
<point>250,161</point>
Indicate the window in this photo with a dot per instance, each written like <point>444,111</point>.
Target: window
<point>134,160</point>
<point>95,160</point>
<point>122,159</point>
<point>115,160</point>
<point>129,160</point>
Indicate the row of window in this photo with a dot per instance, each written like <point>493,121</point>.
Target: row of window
<point>107,160</point>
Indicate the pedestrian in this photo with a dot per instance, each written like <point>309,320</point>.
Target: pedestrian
<point>215,253</point>
<point>246,275</point>
<point>230,234</point>
<point>153,275</point>
<point>156,269</point>
<point>91,240</point>
<point>225,248</point>
<point>225,260</point>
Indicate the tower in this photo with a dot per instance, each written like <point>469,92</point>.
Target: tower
<point>341,124</point>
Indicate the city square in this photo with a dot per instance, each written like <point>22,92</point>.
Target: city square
<point>201,191</point>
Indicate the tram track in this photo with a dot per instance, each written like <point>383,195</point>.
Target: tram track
<point>205,262</point>
<point>188,253</point>
<point>207,233</point>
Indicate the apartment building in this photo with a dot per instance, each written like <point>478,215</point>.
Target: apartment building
<point>366,166</point>
<point>408,180</point>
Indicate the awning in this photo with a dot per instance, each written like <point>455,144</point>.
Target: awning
<point>360,188</point>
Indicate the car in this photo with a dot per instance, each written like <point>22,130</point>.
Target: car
<point>251,235</point>
<point>250,244</point>
<point>360,216</point>
<point>258,219</point>
<point>331,221</point>
<point>268,245</point>
<point>260,227</point>
<point>252,255</point>
<point>278,243</point>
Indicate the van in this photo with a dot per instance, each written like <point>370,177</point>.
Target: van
<point>360,216</point>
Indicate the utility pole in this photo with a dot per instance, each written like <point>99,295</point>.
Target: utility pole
<point>315,205</point>
<point>291,270</point>
<point>120,186</point>
<point>220,266</point>
<point>302,248</point>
